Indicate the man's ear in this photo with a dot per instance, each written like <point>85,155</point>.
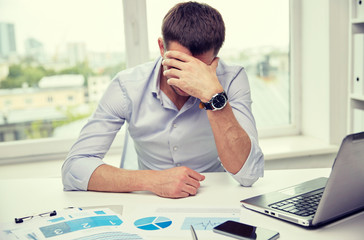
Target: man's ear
<point>161,46</point>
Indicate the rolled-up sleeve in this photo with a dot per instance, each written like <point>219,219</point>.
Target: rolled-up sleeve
<point>76,174</point>
<point>95,138</point>
<point>253,168</point>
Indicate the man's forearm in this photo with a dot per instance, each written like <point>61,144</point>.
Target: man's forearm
<point>172,183</point>
<point>107,178</point>
<point>232,142</point>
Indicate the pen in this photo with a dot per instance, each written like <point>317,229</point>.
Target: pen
<point>194,236</point>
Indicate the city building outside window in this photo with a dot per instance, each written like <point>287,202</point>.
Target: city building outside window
<point>47,61</point>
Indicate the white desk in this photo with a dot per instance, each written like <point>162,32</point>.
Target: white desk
<point>22,197</point>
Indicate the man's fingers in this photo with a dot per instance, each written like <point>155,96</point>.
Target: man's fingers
<point>177,55</point>
<point>192,182</point>
<point>191,191</point>
<point>196,175</point>
<point>178,182</point>
<point>191,187</point>
<point>183,195</point>
<point>172,63</point>
<point>172,73</point>
<point>173,82</point>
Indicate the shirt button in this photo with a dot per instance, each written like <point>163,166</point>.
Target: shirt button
<point>178,164</point>
<point>175,148</point>
<point>174,125</point>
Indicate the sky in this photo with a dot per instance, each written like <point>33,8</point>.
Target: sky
<point>100,23</point>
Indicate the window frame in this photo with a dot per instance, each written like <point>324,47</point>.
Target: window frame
<point>136,40</point>
<point>294,128</point>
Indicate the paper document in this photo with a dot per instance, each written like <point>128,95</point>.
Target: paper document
<point>70,224</point>
<point>167,222</point>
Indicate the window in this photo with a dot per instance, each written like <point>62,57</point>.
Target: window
<point>257,38</point>
<point>49,50</point>
<point>28,101</point>
<point>7,103</point>
<point>78,55</point>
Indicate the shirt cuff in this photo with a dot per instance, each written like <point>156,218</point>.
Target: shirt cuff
<point>253,167</point>
<point>76,173</point>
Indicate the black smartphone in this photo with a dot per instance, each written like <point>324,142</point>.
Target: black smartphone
<point>244,231</point>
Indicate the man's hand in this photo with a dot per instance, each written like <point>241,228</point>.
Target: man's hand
<point>176,182</point>
<point>191,75</point>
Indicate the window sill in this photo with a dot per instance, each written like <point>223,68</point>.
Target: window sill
<point>273,148</point>
<point>294,146</point>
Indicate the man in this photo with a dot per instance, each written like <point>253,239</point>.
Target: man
<point>187,112</point>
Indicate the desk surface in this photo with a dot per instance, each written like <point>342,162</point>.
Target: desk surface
<point>22,197</point>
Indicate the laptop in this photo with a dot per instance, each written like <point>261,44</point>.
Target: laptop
<point>323,200</point>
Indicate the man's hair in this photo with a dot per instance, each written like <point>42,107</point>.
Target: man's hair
<point>196,26</point>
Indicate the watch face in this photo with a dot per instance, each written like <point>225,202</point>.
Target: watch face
<point>219,101</point>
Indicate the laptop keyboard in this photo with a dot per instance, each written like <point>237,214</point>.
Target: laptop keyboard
<point>304,205</point>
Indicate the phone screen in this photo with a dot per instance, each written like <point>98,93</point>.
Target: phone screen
<point>245,231</point>
<point>238,229</point>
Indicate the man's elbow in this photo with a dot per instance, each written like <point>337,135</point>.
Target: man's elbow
<point>248,182</point>
<point>70,181</point>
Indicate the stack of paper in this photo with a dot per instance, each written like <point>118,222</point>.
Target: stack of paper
<point>135,223</point>
<point>72,223</point>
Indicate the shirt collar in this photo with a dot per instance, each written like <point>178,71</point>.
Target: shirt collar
<point>156,77</point>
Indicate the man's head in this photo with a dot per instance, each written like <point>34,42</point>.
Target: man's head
<point>196,26</point>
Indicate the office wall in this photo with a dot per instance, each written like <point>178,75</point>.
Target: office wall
<point>324,68</point>
<point>315,68</point>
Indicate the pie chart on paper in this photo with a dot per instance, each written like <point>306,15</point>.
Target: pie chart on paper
<point>153,223</point>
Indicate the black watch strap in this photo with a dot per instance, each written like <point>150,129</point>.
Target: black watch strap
<point>207,106</point>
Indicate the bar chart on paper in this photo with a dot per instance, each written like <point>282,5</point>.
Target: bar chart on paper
<point>73,223</point>
<point>79,224</point>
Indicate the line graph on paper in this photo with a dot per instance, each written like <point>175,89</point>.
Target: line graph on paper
<point>204,223</point>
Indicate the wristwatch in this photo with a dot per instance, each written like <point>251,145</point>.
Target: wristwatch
<point>217,102</point>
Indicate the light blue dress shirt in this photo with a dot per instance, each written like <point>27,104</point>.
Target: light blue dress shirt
<point>164,137</point>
